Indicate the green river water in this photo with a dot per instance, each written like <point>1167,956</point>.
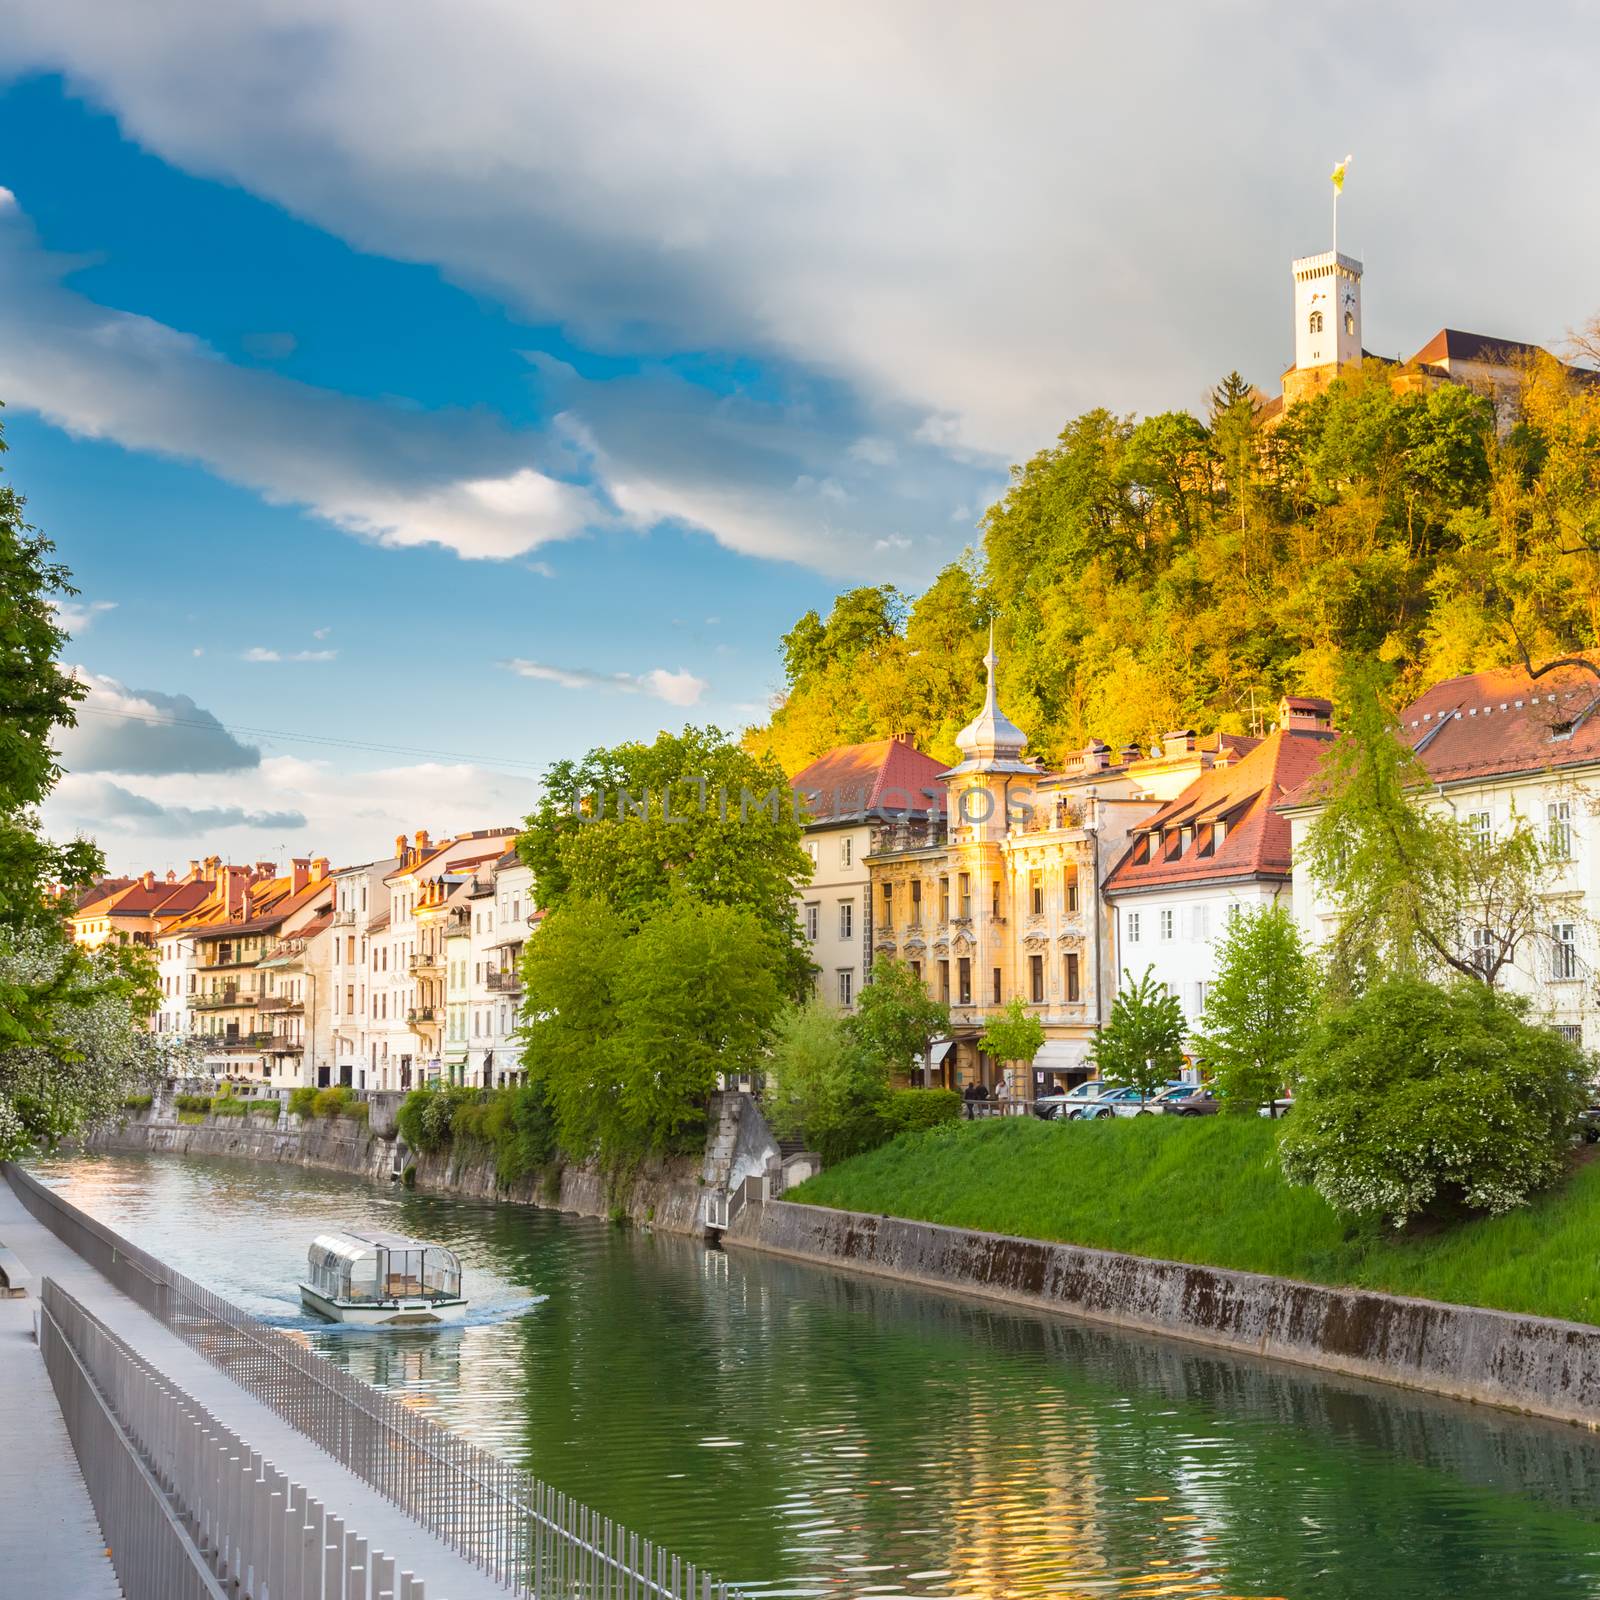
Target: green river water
<point>805,1432</point>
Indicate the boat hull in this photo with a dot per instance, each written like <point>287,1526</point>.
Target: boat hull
<point>402,1313</point>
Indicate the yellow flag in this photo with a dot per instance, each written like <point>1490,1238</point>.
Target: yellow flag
<point>1338,174</point>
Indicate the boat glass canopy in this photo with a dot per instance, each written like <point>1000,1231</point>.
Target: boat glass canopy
<point>373,1267</point>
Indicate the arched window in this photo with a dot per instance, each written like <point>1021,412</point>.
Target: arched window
<point>1316,322</point>
<point>1350,323</point>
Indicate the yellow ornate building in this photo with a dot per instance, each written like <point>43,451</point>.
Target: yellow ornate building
<point>997,895</point>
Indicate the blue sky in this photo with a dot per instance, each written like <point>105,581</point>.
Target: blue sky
<point>476,383</point>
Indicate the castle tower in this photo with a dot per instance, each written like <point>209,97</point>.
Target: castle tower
<point>1327,322</point>
<point>991,747</point>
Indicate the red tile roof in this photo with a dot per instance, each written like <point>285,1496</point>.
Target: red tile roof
<point>1244,795</point>
<point>883,775</point>
<point>1451,344</point>
<point>1502,721</point>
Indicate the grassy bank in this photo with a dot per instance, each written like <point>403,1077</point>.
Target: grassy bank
<point>1208,1191</point>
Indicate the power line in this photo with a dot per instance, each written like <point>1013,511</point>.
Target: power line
<point>212,725</point>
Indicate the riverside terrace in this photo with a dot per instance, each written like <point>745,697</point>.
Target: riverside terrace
<point>204,1480</point>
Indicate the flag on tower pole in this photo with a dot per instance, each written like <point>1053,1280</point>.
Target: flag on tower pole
<point>1338,189</point>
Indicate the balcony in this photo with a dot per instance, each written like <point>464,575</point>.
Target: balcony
<point>344,919</point>
<point>246,1042</point>
<point>281,1003</point>
<point>507,982</point>
<point>426,961</point>
<point>283,1045</point>
<point>419,1014</point>
<point>215,1001</point>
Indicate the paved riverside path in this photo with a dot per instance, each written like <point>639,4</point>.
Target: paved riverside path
<point>50,1542</point>
<point>447,1575</point>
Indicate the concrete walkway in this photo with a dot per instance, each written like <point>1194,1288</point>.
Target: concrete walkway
<point>447,1575</point>
<point>50,1543</point>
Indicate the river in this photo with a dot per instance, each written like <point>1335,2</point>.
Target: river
<point>800,1431</point>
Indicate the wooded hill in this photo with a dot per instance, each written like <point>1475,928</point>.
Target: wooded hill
<point>1146,575</point>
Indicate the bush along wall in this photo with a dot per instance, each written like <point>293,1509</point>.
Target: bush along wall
<point>514,1124</point>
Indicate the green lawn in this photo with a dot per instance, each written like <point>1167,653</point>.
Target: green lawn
<point>1208,1190</point>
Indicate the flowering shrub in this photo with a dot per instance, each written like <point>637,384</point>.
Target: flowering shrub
<point>1417,1098</point>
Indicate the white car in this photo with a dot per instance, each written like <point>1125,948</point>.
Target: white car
<point>1059,1107</point>
<point>1123,1102</point>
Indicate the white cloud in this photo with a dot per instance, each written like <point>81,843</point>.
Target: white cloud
<point>259,653</point>
<point>145,732</point>
<point>311,806</point>
<point>399,477</point>
<point>894,541</point>
<point>320,633</point>
<point>680,688</point>
<point>986,226</point>
<point>78,615</point>
<point>874,452</point>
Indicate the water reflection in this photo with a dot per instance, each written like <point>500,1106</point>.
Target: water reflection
<point>803,1431</point>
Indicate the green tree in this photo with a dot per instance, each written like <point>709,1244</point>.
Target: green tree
<point>626,1028</point>
<point>825,1085</point>
<point>1418,1099</point>
<point>71,1048</point>
<point>896,1018</point>
<point>1258,1007</point>
<point>1013,1034</point>
<point>701,817</point>
<point>1418,893</point>
<point>1142,1041</point>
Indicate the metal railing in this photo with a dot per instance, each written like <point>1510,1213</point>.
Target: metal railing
<point>188,1510</point>
<point>524,1533</point>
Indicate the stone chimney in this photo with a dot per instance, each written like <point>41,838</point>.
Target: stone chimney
<point>266,869</point>
<point>1129,754</point>
<point>237,888</point>
<point>299,873</point>
<point>1180,742</point>
<point>422,841</point>
<point>194,871</point>
<point>319,868</point>
<point>213,865</point>
<point>400,848</point>
<point>172,877</point>
<point>149,879</point>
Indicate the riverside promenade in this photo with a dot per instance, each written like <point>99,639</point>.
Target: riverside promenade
<point>50,1542</point>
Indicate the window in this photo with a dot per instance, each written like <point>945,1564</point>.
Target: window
<point>916,902</point>
<point>847,981</point>
<point>811,850</point>
<point>847,919</point>
<point>1350,323</point>
<point>1036,978</point>
<point>1572,1032</point>
<point>995,998</point>
<point>1166,923</point>
<point>812,911</point>
<point>994,900</point>
<point>1483,950</point>
<point>916,970</point>
<point>964,978</point>
<point>1315,322</point>
<point>847,851</point>
<point>888,905</point>
<point>1197,996</point>
<point>1036,893</point>
<point>1558,820</point>
<point>1072,984</point>
<point>965,886</point>
<point>944,982</point>
<point>944,899</point>
<point>1564,952</point>
<point>1071,878</point>
<point>1132,925</point>
<point>1200,922</point>
<point>1479,826</point>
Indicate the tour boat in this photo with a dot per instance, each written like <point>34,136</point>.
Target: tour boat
<point>382,1279</point>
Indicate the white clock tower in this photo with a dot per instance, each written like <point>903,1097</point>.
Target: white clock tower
<point>1327,321</point>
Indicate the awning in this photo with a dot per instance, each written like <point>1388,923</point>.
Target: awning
<point>1062,1055</point>
<point>938,1051</point>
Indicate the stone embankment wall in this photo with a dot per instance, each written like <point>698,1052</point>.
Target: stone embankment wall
<point>1535,1365</point>
<point>666,1195</point>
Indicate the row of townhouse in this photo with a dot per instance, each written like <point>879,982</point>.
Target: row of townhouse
<point>383,975</point>
<point>997,880</point>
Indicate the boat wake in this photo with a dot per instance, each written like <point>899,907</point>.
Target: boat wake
<point>476,1317</point>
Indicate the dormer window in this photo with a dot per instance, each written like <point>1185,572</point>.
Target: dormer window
<point>1315,322</point>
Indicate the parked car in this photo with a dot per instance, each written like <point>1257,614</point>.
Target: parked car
<point>1589,1122</point>
<point>1124,1102</point>
<point>1056,1107</point>
<point>1280,1107</point>
<point>1196,1103</point>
